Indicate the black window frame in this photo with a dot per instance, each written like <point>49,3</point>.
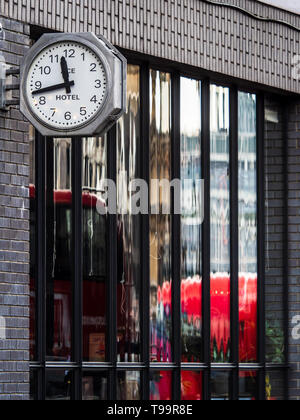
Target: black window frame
<point>111,366</point>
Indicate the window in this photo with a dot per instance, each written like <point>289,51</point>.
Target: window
<point>157,306</point>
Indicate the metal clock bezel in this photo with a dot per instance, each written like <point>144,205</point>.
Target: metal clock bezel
<point>83,40</point>
<point>114,103</point>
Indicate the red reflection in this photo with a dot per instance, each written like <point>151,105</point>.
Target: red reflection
<point>220,317</point>
<point>248,317</point>
<point>191,306</point>
<point>191,386</point>
<point>161,386</point>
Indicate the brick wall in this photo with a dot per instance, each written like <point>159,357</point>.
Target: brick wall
<point>215,38</point>
<point>275,229</point>
<point>294,241</point>
<point>14,232</point>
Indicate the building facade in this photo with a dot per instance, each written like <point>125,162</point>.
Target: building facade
<point>153,305</point>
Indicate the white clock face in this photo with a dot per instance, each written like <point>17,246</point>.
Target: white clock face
<point>66,85</point>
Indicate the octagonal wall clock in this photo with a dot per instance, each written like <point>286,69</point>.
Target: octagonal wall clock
<point>73,85</point>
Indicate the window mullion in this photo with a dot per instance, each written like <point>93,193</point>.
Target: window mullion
<point>261,252</point>
<point>176,238</point>
<point>205,164</point>
<point>40,200</point>
<point>77,247</point>
<point>145,251</point>
<point>234,240</point>
<point>112,239</point>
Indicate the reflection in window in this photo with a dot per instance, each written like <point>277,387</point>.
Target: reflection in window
<point>33,385</point>
<point>128,387</point>
<point>58,385</point>
<point>191,386</point>
<point>160,224</point>
<point>220,386</point>
<point>248,386</point>
<point>94,386</point>
<point>247,227</point>
<point>191,255</point>
<point>59,264</point>
<point>275,385</point>
<point>220,224</point>
<point>160,386</point>
<point>129,232</point>
<point>94,250</point>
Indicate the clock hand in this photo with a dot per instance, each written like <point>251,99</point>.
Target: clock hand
<point>65,73</point>
<point>54,87</point>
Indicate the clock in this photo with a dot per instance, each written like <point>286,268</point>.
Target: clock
<point>66,85</point>
<point>73,84</point>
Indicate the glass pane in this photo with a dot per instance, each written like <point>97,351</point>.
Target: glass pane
<point>128,386</point>
<point>94,386</point>
<point>275,385</point>
<point>220,225</point>
<point>129,224</point>
<point>58,385</point>
<point>220,386</point>
<point>94,250</point>
<point>275,229</point>
<point>248,386</point>
<point>247,227</point>
<point>32,242</point>
<point>191,232</point>
<point>161,386</point>
<point>33,385</point>
<point>191,386</point>
<point>59,262</point>
<point>160,224</point>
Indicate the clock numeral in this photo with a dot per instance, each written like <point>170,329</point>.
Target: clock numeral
<point>42,100</point>
<point>54,58</point>
<point>38,84</point>
<point>69,53</point>
<point>93,66</point>
<point>45,70</point>
<point>68,116</point>
<point>53,111</point>
<point>94,99</point>
<point>98,84</point>
<point>83,56</point>
<point>83,111</point>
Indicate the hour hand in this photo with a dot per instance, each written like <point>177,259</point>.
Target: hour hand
<point>65,73</point>
<point>53,87</point>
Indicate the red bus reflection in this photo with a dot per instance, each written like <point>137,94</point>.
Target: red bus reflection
<point>191,306</point>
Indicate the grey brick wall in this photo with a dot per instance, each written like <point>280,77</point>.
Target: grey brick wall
<point>193,32</point>
<point>275,229</point>
<point>294,241</point>
<point>14,232</point>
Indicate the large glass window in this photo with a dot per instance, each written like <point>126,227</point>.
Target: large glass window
<point>129,224</point>
<point>220,224</point>
<point>59,251</point>
<point>247,156</point>
<point>121,318</point>
<point>191,221</point>
<point>160,224</point>
<point>94,237</point>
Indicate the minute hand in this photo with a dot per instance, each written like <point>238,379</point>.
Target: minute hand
<point>54,87</point>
